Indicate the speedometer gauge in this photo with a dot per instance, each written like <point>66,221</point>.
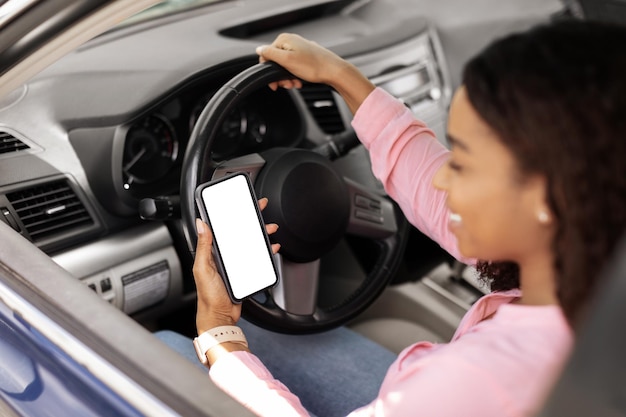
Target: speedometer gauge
<point>150,149</point>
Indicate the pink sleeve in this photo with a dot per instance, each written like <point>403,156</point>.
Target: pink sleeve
<point>442,389</point>
<point>405,156</point>
<point>504,366</point>
<point>242,376</point>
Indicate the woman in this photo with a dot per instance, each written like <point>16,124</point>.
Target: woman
<point>534,187</point>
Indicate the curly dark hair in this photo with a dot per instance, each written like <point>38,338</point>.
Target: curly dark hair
<point>556,97</point>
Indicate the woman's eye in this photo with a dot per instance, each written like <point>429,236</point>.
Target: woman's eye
<point>454,166</point>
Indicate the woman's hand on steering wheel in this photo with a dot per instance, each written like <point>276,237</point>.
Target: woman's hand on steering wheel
<point>309,61</point>
<point>305,59</point>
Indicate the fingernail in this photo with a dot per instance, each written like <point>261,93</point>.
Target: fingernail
<point>260,49</point>
<point>199,226</point>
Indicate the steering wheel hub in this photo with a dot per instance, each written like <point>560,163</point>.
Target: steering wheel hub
<point>308,200</point>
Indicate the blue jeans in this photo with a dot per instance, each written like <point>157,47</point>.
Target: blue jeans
<point>332,373</point>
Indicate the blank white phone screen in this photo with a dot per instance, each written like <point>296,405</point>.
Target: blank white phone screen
<point>239,236</point>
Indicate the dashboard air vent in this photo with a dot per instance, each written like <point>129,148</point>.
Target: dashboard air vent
<point>49,209</point>
<point>321,102</point>
<point>9,143</point>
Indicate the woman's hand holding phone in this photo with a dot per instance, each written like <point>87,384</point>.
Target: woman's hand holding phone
<point>215,307</point>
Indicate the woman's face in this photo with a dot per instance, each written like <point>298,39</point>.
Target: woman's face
<point>495,212</point>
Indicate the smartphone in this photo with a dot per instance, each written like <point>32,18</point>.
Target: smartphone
<point>241,247</point>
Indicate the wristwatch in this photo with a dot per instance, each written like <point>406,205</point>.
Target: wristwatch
<point>214,337</point>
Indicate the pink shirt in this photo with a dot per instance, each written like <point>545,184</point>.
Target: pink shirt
<point>503,366</point>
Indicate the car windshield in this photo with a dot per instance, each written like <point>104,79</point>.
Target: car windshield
<point>166,7</point>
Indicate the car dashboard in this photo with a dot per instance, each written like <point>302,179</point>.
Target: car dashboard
<point>107,126</point>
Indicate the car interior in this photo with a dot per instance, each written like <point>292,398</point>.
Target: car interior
<point>121,152</point>
<point>101,152</point>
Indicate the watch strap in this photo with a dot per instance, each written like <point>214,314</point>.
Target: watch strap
<point>214,337</point>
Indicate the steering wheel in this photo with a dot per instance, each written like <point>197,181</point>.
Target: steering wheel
<point>314,206</point>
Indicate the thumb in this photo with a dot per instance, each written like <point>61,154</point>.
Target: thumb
<point>205,239</point>
<point>260,50</point>
<point>271,53</point>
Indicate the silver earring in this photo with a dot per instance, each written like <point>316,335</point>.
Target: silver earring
<point>543,217</point>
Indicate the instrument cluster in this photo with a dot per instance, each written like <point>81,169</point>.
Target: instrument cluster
<point>155,143</point>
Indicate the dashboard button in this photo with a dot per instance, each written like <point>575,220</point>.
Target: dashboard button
<point>369,216</point>
<point>367,203</point>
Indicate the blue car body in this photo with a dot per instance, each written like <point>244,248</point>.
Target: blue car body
<point>39,379</point>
